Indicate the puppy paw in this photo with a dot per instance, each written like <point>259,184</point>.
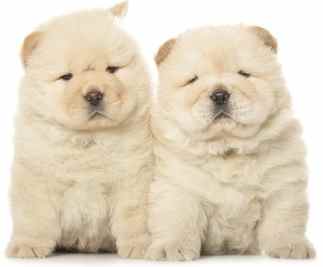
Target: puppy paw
<point>300,250</point>
<point>132,251</point>
<point>25,251</point>
<point>135,249</point>
<point>172,252</point>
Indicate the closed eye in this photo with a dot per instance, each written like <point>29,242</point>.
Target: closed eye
<point>66,77</point>
<point>115,68</point>
<point>112,69</point>
<point>244,73</point>
<point>192,80</point>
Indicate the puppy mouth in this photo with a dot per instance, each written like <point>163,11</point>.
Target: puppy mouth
<point>222,113</point>
<point>98,114</point>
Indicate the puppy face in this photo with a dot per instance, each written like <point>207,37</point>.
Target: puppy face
<point>221,81</point>
<point>84,72</point>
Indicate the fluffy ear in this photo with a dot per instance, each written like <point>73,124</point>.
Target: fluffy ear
<point>264,35</point>
<point>164,51</point>
<point>119,10</point>
<point>29,45</point>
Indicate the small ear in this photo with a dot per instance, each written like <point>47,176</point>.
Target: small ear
<point>29,45</point>
<point>164,51</point>
<point>120,10</point>
<point>268,39</point>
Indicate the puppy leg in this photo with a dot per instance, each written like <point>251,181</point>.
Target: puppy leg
<point>35,225</point>
<point>129,223</point>
<point>176,223</point>
<point>281,233</point>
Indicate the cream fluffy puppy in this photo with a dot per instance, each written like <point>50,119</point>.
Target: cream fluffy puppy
<point>83,159</point>
<point>230,170</point>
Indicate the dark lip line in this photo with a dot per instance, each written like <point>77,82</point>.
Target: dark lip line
<point>223,114</point>
<point>101,112</point>
<point>96,113</point>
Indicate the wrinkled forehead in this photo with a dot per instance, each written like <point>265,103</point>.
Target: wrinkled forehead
<point>219,49</point>
<point>85,43</point>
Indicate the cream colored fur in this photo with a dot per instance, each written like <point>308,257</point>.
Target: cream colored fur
<point>232,185</point>
<point>80,181</point>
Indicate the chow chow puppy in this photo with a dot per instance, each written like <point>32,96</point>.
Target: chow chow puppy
<point>83,154</point>
<point>230,170</point>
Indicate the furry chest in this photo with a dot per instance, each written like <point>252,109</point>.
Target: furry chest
<point>236,214</point>
<point>240,172</point>
<point>76,163</point>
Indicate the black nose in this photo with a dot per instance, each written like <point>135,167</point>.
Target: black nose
<point>220,97</point>
<point>94,97</point>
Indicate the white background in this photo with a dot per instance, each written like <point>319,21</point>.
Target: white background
<point>298,26</point>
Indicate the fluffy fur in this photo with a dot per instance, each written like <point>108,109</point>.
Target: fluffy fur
<point>81,176</point>
<point>233,184</point>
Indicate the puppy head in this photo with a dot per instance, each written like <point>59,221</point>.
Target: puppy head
<point>221,80</point>
<point>83,71</point>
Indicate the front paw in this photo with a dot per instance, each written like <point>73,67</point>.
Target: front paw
<point>172,252</point>
<point>299,250</point>
<point>21,250</point>
<point>134,249</point>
